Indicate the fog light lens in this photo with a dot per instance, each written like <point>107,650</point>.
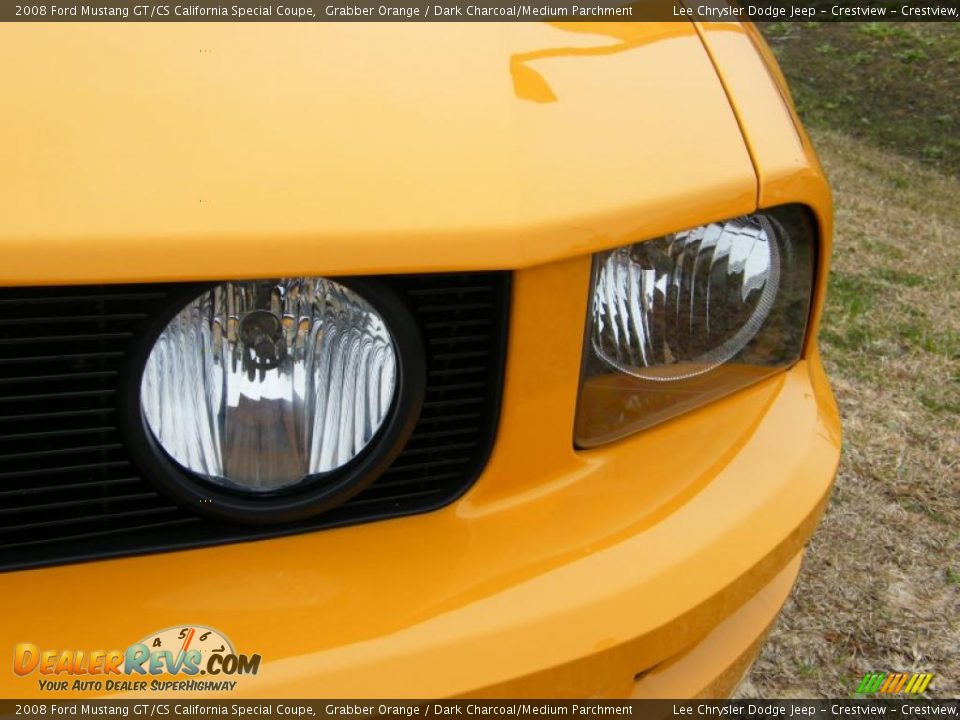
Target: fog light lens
<point>258,385</point>
<point>681,320</point>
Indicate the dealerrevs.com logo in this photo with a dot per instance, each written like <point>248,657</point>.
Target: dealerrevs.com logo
<point>169,660</point>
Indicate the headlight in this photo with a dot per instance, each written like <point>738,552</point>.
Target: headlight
<point>681,320</point>
<point>269,398</point>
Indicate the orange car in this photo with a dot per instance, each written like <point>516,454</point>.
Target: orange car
<point>430,360</point>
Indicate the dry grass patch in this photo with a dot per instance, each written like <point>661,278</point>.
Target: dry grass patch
<point>880,586</point>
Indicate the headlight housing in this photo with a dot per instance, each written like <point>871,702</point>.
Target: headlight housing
<point>684,319</point>
<point>270,400</point>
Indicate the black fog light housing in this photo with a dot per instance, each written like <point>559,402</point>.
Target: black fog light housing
<point>270,401</point>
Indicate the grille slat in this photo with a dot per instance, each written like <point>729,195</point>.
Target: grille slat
<point>455,356</point>
<point>89,337</point>
<point>62,358</point>
<point>105,500</point>
<point>473,370</point>
<point>459,340</point>
<point>59,376</point>
<point>398,498</point>
<point>105,318</point>
<point>451,290</point>
<point>457,324</point>
<point>57,396</point>
<point>466,306</point>
<point>58,414</point>
<point>68,432</point>
<point>455,387</point>
<point>430,450</point>
<point>68,490</point>
<point>426,464</point>
<point>13,298</point>
<point>55,452</point>
<point>7,546</point>
<point>425,420</point>
<point>445,433</point>
<point>387,484</point>
<point>69,487</point>
<point>87,519</point>
<point>455,402</point>
<point>63,469</point>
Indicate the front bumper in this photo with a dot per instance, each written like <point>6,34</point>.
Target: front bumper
<point>560,573</point>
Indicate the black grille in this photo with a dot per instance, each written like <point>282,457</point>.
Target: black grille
<point>68,490</point>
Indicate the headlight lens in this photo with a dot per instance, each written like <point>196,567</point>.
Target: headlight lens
<point>681,320</point>
<point>258,385</point>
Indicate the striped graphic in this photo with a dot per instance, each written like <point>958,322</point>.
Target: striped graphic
<point>892,683</point>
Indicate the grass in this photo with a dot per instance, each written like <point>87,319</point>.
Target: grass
<point>892,84</point>
<point>880,586</point>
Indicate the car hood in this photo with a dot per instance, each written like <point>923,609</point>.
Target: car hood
<point>180,151</point>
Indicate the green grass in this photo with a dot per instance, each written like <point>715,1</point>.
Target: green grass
<point>890,339</point>
<point>896,85</point>
<point>897,276</point>
<point>880,584</point>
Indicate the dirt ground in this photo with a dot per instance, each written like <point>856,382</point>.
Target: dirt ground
<point>880,587</point>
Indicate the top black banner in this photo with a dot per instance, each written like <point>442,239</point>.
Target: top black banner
<point>481,11</point>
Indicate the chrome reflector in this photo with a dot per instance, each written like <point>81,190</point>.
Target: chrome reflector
<point>258,385</point>
<point>680,305</point>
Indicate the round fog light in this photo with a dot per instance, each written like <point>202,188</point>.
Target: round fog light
<point>275,387</point>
